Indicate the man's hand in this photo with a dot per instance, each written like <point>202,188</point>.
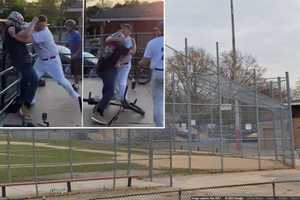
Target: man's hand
<point>35,20</point>
<point>145,62</point>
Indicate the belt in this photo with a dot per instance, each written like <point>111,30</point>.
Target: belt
<point>159,69</point>
<point>52,57</point>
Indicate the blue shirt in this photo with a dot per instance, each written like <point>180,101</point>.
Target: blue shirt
<point>74,42</point>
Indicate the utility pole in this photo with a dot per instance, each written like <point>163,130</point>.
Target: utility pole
<point>233,77</point>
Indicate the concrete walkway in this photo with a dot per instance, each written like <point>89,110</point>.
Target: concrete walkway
<point>127,118</point>
<point>63,111</point>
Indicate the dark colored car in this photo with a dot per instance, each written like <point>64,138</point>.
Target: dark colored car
<point>90,61</point>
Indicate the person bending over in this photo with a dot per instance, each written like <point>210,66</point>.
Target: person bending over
<point>107,70</point>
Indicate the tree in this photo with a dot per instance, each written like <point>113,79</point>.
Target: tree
<point>204,67</point>
<point>202,62</point>
<point>50,8</point>
<point>244,70</point>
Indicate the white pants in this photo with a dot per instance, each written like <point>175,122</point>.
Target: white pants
<point>53,68</point>
<point>157,83</point>
<point>121,81</point>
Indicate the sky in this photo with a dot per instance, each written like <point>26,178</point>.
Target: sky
<point>269,30</point>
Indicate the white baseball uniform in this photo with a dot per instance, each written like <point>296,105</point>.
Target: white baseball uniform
<point>155,52</point>
<point>48,60</point>
<point>123,70</point>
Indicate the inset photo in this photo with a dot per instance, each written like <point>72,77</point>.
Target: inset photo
<point>41,63</point>
<point>124,64</point>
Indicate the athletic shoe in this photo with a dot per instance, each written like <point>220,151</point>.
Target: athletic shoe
<point>115,101</point>
<point>75,87</point>
<point>25,112</point>
<point>98,118</point>
<point>80,103</point>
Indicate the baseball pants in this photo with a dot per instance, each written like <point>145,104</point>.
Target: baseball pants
<point>121,81</point>
<point>158,97</point>
<point>53,68</point>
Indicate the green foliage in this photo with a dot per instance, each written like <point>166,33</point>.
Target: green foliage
<point>51,8</point>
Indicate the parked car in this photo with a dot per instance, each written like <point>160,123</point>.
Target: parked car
<point>90,61</point>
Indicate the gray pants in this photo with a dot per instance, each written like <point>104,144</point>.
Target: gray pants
<point>158,97</point>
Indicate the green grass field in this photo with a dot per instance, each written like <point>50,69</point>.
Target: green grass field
<point>84,162</point>
<point>23,154</point>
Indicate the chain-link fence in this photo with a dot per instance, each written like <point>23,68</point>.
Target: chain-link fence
<point>228,125</point>
<point>259,191</point>
<point>34,156</point>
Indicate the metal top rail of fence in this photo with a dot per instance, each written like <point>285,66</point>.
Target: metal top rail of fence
<point>242,191</point>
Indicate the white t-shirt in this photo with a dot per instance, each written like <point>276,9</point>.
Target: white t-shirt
<point>155,52</point>
<point>44,44</point>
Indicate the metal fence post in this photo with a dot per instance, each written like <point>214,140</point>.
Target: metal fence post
<point>115,160</point>
<point>257,122</point>
<point>173,110</point>
<point>34,168</point>
<point>129,152</point>
<point>8,157</point>
<point>179,195</point>
<point>70,155</point>
<point>150,136</point>
<point>173,128</point>
<point>290,119</point>
<point>220,109</point>
<point>189,107</point>
<point>171,157</point>
<point>274,189</point>
<point>281,122</point>
<point>274,125</point>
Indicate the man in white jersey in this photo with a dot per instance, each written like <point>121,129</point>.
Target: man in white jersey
<point>154,56</point>
<point>48,60</point>
<point>125,62</point>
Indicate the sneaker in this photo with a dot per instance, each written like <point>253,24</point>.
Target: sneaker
<point>25,112</point>
<point>115,102</point>
<point>98,118</point>
<point>75,87</point>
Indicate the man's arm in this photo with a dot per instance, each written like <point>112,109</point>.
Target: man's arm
<point>145,62</point>
<point>116,37</point>
<point>133,48</point>
<point>25,35</point>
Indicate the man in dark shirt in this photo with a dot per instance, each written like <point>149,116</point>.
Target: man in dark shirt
<point>16,38</point>
<point>107,71</point>
<point>74,44</point>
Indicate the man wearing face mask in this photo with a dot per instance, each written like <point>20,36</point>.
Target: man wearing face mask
<point>48,61</point>
<point>74,44</point>
<point>15,39</point>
